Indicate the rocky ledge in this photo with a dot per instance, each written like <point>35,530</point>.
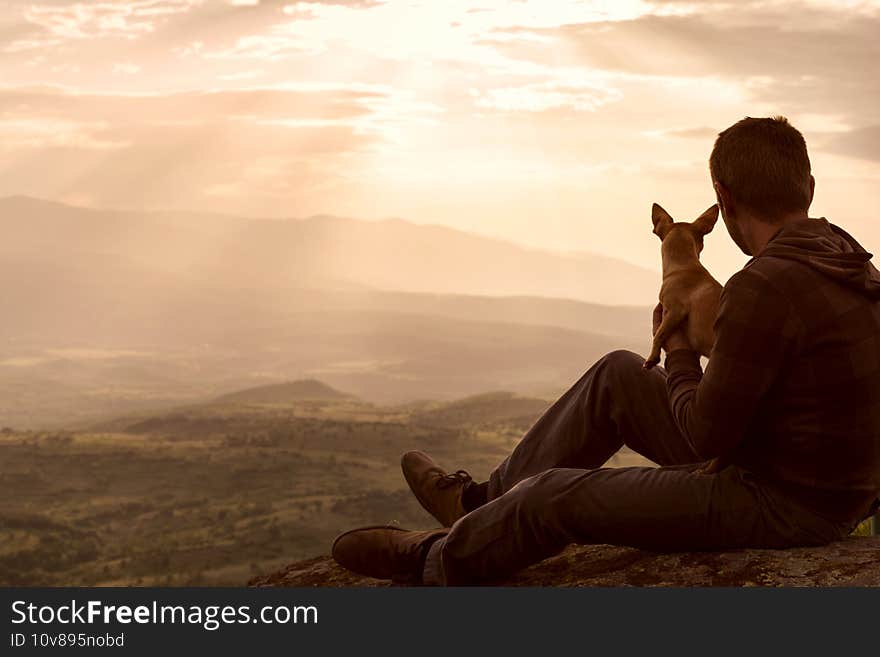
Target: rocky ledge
<point>851,562</point>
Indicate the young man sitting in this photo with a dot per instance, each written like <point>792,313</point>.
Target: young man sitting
<point>790,399</point>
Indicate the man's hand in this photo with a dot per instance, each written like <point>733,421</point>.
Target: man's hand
<point>676,340</point>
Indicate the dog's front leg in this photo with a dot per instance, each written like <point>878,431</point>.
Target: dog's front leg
<point>672,319</point>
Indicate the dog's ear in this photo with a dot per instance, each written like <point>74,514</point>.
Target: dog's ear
<point>662,221</point>
<point>706,221</point>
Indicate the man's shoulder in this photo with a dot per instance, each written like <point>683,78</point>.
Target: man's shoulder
<point>755,276</point>
<point>753,308</point>
<point>781,276</point>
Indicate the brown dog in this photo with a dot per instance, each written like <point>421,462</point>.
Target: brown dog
<point>688,293</point>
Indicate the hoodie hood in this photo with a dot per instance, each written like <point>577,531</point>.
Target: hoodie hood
<point>830,251</point>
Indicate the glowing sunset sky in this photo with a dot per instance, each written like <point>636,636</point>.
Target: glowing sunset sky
<point>553,123</point>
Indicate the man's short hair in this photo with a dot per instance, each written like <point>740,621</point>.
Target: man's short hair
<point>764,165</point>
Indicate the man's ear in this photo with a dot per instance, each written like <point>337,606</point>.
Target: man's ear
<point>725,203</point>
<point>706,221</point>
<point>662,221</point>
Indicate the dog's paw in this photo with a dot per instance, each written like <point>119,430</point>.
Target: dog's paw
<point>650,363</point>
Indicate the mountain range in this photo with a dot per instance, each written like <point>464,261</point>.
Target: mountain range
<point>109,310</point>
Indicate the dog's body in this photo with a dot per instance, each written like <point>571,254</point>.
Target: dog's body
<point>688,293</point>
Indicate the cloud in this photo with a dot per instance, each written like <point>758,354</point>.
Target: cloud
<point>700,132</point>
<point>83,20</point>
<point>180,165</point>
<point>547,96</point>
<point>265,47</point>
<point>25,133</point>
<point>125,68</point>
<point>862,143</point>
<point>48,25</point>
<point>242,75</point>
<point>811,59</point>
<point>696,45</point>
<point>196,148</point>
<point>197,107</point>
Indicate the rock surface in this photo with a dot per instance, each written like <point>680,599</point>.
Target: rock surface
<point>851,562</point>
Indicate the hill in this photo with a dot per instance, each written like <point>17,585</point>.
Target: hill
<point>284,393</point>
<point>489,408</point>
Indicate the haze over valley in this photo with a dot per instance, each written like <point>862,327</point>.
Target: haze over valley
<point>119,311</point>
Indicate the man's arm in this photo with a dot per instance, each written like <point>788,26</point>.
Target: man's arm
<point>755,332</point>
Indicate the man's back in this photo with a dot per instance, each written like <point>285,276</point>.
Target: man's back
<point>817,427</point>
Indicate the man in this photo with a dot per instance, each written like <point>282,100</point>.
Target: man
<point>790,398</point>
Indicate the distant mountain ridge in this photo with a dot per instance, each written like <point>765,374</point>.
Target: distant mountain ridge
<point>279,393</point>
<point>321,251</point>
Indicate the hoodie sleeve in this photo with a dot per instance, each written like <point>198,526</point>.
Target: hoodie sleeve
<point>755,332</point>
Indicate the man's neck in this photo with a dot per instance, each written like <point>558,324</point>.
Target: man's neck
<point>761,232</point>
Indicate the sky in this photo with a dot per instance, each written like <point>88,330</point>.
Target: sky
<point>551,123</point>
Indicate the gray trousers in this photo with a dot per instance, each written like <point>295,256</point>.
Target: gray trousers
<point>553,491</point>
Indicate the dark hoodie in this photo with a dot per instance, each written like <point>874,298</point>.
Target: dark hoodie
<point>792,389</point>
<point>829,250</point>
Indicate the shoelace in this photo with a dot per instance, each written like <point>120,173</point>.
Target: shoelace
<point>453,478</point>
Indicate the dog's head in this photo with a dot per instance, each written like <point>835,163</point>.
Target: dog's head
<point>682,235</point>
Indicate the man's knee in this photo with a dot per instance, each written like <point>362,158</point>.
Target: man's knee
<point>622,359</point>
<point>620,364</point>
